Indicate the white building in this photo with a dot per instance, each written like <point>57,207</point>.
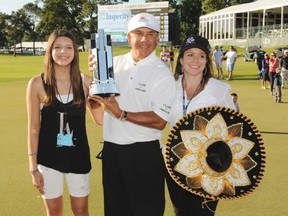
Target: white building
<point>262,23</point>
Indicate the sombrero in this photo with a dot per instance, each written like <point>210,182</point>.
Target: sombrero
<point>216,153</point>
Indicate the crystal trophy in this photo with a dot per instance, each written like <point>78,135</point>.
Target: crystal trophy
<point>103,83</point>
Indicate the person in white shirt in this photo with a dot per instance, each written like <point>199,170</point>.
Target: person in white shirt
<point>195,88</point>
<point>132,161</point>
<point>218,58</point>
<point>231,57</point>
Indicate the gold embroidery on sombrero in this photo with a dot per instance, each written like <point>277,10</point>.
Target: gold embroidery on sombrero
<point>192,153</point>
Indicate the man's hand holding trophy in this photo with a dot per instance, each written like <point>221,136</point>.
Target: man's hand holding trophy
<point>103,87</point>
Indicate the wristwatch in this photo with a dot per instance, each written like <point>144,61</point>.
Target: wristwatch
<point>125,115</point>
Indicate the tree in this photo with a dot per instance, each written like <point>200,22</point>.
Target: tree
<point>90,14</point>
<point>213,5</point>
<point>190,13</point>
<point>236,2</point>
<point>3,29</point>
<point>58,14</point>
<point>32,12</point>
<point>16,24</point>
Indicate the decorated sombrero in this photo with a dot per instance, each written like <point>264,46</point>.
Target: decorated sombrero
<point>216,153</point>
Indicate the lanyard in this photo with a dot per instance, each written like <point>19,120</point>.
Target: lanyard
<point>185,106</point>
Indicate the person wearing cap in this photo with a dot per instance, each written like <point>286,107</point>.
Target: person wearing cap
<point>230,57</point>
<point>132,161</point>
<point>284,69</point>
<point>218,57</point>
<point>195,88</point>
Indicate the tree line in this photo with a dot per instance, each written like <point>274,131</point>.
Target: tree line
<point>35,23</point>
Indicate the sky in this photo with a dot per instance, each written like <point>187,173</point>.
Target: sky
<point>7,6</point>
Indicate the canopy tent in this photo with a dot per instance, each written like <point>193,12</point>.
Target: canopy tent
<point>248,7</point>
<point>259,19</point>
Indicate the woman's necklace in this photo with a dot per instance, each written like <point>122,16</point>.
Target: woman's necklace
<point>185,106</point>
<point>65,107</point>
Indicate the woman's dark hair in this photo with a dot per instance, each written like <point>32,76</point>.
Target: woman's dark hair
<point>207,73</point>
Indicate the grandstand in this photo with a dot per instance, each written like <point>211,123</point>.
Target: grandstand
<point>262,23</point>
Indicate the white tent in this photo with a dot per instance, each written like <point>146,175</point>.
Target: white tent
<point>249,7</point>
<point>29,45</point>
<point>259,20</point>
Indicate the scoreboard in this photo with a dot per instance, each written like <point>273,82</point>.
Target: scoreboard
<point>114,18</point>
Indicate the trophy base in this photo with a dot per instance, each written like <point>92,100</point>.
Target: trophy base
<point>103,89</point>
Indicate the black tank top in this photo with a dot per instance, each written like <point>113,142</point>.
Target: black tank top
<point>66,159</point>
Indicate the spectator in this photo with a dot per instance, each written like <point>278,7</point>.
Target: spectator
<point>231,57</point>
<point>165,55</point>
<point>265,71</point>
<point>258,58</point>
<point>235,100</point>
<point>218,58</point>
<point>284,69</point>
<point>273,65</point>
<point>278,83</point>
<point>171,58</point>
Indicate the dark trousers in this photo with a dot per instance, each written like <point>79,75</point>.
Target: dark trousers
<point>271,77</point>
<point>278,93</point>
<point>186,203</point>
<point>133,179</point>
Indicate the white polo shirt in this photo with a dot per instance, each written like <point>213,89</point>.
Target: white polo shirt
<point>215,93</point>
<point>147,85</point>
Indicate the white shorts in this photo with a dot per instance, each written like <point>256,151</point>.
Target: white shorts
<point>78,184</point>
<point>218,65</point>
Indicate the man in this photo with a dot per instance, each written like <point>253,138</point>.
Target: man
<point>231,57</point>
<point>284,69</point>
<point>132,161</point>
<point>258,58</point>
<point>218,57</point>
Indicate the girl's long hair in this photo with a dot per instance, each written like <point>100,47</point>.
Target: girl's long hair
<point>49,71</point>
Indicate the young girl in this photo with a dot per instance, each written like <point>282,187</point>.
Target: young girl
<point>57,140</point>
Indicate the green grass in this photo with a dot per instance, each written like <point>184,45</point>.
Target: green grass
<point>19,197</point>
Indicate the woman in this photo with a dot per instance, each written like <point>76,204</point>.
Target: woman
<point>265,71</point>
<point>273,65</point>
<point>196,88</point>
<point>57,140</point>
